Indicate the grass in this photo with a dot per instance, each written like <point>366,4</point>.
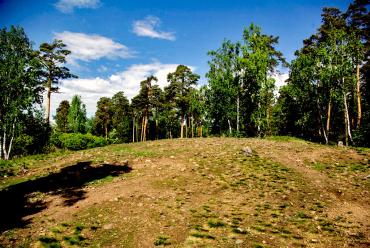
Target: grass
<point>205,193</point>
<point>216,223</point>
<point>162,240</point>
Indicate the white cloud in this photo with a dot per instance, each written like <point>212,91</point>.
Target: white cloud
<point>67,6</point>
<point>146,27</point>
<point>88,47</point>
<point>128,81</point>
<point>280,79</point>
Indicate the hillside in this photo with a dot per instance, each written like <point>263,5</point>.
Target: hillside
<point>190,193</point>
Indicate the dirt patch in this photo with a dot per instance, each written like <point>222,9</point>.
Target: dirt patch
<point>204,192</point>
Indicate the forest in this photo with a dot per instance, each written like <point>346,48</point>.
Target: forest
<point>326,98</point>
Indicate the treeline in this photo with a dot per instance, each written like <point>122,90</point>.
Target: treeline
<point>326,98</point>
<point>176,111</point>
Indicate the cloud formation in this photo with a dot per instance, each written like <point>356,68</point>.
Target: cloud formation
<point>147,26</point>
<point>67,6</point>
<point>88,47</point>
<point>128,81</point>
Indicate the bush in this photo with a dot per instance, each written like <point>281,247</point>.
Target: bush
<point>77,141</point>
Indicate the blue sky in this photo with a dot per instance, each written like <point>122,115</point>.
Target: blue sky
<point>116,44</point>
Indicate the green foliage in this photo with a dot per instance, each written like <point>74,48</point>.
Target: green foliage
<point>20,84</point>
<point>77,116</point>
<point>162,240</point>
<point>103,117</point>
<point>49,242</point>
<point>121,118</point>
<point>52,56</point>
<point>216,223</point>
<point>61,118</point>
<point>77,141</point>
<point>178,93</point>
<point>240,92</point>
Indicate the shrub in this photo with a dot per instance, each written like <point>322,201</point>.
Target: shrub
<point>77,141</point>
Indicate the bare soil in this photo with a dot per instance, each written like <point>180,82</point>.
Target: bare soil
<point>192,193</point>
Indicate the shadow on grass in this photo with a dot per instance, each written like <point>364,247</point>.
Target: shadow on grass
<point>23,199</point>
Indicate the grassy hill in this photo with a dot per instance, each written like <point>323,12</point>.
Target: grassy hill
<point>189,193</point>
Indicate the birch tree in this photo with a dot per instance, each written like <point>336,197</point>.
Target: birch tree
<point>20,85</point>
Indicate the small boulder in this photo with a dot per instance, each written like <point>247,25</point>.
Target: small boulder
<point>340,144</point>
<point>247,151</point>
<point>108,226</point>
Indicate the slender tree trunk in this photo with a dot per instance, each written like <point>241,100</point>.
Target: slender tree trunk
<point>186,127</point>
<point>182,126</point>
<point>106,130</point>
<point>1,148</point>
<point>137,130</point>
<point>259,120</point>
<point>358,92</point>
<point>328,119</point>
<point>4,143</point>
<point>237,113</point>
<point>133,129</point>
<point>156,129</point>
<point>201,131</point>
<point>346,120</point>
<point>7,150</point>
<point>142,128</point>
<point>192,126</point>
<point>321,122</point>
<point>48,102</point>
<point>230,130</point>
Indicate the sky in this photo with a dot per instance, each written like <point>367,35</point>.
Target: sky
<point>116,44</point>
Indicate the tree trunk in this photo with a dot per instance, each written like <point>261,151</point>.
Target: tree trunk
<point>106,130</point>
<point>48,102</point>
<point>358,91</point>
<point>321,122</point>
<point>7,150</point>
<point>182,127</point>
<point>133,129</point>
<point>192,127</point>
<point>237,113</point>
<point>142,128</point>
<point>328,119</point>
<point>346,120</point>
<point>156,129</point>
<point>137,130</point>
<point>259,120</point>
<point>4,144</point>
<point>186,127</point>
<point>230,130</point>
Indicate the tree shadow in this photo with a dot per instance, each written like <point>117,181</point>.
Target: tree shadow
<point>23,199</point>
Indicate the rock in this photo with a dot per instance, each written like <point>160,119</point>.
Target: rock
<point>340,144</point>
<point>247,151</point>
<point>140,204</point>
<point>182,169</point>
<point>108,226</point>
<point>314,241</point>
<point>239,241</point>
<point>172,156</point>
